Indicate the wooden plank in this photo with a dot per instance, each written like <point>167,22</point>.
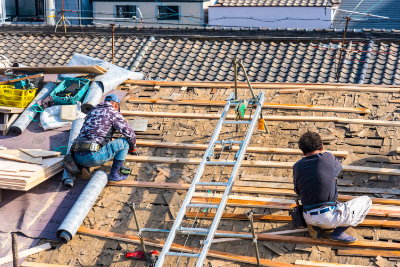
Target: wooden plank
<point>58,69</point>
<point>274,203</point>
<point>4,109</point>
<point>281,218</point>
<point>289,180</point>
<point>37,264</point>
<point>25,253</point>
<point>292,91</point>
<point>368,253</point>
<point>266,118</point>
<point>267,191</point>
<point>177,247</point>
<point>242,85</point>
<point>21,79</point>
<point>17,155</point>
<point>221,240</point>
<point>263,150</point>
<point>7,126</point>
<point>325,264</point>
<point>265,106</point>
<point>38,153</point>
<point>260,164</point>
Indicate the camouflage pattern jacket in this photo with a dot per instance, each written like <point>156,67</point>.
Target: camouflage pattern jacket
<point>102,122</point>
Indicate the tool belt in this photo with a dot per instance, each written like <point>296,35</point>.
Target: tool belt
<point>84,146</point>
<point>70,165</point>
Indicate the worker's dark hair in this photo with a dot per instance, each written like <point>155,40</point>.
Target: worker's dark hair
<point>310,142</point>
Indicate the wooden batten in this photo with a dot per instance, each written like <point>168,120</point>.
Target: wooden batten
<point>266,118</point>
<point>267,191</point>
<point>260,164</point>
<point>263,150</point>
<point>265,106</point>
<point>178,247</point>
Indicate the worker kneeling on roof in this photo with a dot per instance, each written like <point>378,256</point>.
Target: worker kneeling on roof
<point>93,146</point>
<point>314,179</point>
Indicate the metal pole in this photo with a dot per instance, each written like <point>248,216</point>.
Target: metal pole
<point>250,216</point>
<point>62,15</point>
<point>14,244</point>
<point>341,50</point>
<point>132,206</point>
<point>112,40</point>
<point>234,62</point>
<point>235,75</point>
<point>247,79</point>
<point>252,92</point>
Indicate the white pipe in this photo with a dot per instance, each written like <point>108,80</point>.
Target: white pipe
<point>50,12</point>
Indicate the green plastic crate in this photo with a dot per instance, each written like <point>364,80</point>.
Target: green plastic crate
<point>64,83</point>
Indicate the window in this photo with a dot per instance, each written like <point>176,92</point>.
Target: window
<point>126,11</point>
<point>168,13</point>
<point>25,9</point>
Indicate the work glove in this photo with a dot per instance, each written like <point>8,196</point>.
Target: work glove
<point>133,152</point>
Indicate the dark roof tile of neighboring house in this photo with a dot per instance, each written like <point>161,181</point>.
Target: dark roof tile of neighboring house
<point>298,3</point>
<point>210,59</point>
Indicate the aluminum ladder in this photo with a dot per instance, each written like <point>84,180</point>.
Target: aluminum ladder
<point>176,228</point>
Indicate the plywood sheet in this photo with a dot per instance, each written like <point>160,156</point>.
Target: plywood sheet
<point>38,153</point>
<point>20,156</point>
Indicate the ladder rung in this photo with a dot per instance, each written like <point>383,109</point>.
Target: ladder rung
<point>212,184</point>
<point>233,142</point>
<point>202,206</point>
<point>182,254</point>
<point>236,122</point>
<point>194,229</point>
<point>220,162</point>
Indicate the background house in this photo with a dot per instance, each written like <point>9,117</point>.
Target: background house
<point>155,13</point>
<point>33,11</point>
<point>387,8</point>
<point>272,13</point>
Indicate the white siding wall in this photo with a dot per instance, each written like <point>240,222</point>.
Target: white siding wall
<point>270,17</point>
<point>150,11</point>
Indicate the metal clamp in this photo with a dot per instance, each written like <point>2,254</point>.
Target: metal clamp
<point>227,144</point>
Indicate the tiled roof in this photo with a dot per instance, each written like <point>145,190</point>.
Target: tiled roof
<point>265,61</point>
<point>53,50</point>
<point>210,60</point>
<point>299,3</point>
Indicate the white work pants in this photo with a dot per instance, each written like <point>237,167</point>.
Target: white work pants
<point>350,213</point>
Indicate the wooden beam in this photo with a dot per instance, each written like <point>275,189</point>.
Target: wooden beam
<point>260,164</point>
<point>281,218</point>
<point>266,118</point>
<point>263,150</point>
<point>21,79</point>
<point>25,253</point>
<point>266,105</point>
<point>267,191</point>
<point>243,85</point>
<point>324,264</point>
<point>260,179</point>
<point>4,109</point>
<point>292,91</point>
<point>277,203</point>
<point>58,69</point>
<point>368,253</point>
<point>221,240</point>
<point>178,247</point>
<point>37,264</point>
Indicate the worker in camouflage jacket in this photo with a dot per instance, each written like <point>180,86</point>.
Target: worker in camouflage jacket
<point>99,126</point>
<point>314,179</point>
